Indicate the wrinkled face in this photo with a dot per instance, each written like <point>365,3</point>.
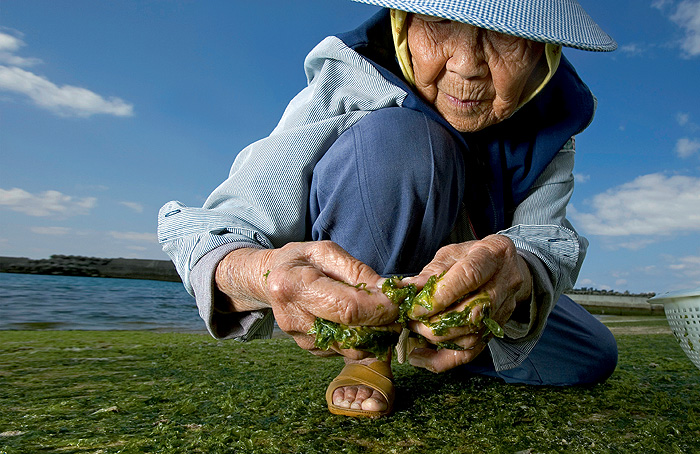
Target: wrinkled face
<point>474,77</point>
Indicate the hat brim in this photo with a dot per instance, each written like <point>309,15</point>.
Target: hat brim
<point>562,22</point>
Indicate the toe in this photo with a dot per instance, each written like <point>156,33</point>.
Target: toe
<point>344,396</point>
<point>338,396</point>
<point>376,402</point>
<point>359,398</point>
<point>350,394</point>
<point>363,392</point>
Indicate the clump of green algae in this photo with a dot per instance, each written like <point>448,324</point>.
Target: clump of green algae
<point>380,340</point>
<point>370,339</point>
<point>132,392</point>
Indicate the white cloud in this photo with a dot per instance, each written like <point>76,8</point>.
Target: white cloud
<point>134,236</point>
<point>581,178</point>
<point>47,203</point>
<point>686,122</point>
<point>9,43</point>
<point>8,46</point>
<point>631,49</point>
<point>687,147</point>
<point>60,231</point>
<point>660,4</point>
<point>634,244</point>
<point>66,100</point>
<point>687,16</point>
<point>137,207</point>
<point>653,204</point>
<point>649,269</point>
<point>682,118</point>
<point>687,266</point>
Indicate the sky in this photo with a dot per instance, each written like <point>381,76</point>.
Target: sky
<point>110,109</point>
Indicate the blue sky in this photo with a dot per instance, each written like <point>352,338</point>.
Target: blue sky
<point>110,109</point>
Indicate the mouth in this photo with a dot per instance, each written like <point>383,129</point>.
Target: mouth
<point>463,103</point>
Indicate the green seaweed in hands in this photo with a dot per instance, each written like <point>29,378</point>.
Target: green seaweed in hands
<point>493,327</point>
<point>375,340</point>
<point>463,318</point>
<point>378,340</point>
<point>403,297</point>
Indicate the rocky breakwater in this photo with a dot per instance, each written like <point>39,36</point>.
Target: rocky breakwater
<point>72,265</point>
<point>617,304</point>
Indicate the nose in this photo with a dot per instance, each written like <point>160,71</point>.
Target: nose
<point>468,59</point>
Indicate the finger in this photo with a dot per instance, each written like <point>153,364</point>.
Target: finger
<point>461,318</point>
<point>464,277</point>
<point>340,289</point>
<point>448,335</point>
<point>442,360</point>
<point>307,343</point>
<point>465,337</point>
<point>421,279</point>
<point>502,303</point>
<point>336,263</point>
<point>332,301</point>
<point>468,342</point>
<point>441,294</point>
<point>443,260</point>
<point>294,319</point>
<point>425,304</point>
<point>351,353</point>
<point>349,304</point>
<point>322,353</point>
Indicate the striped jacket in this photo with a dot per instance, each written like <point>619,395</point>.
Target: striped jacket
<point>263,203</point>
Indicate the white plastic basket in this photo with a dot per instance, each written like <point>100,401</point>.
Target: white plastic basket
<point>682,310</point>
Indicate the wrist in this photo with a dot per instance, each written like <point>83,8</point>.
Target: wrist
<point>239,282</point>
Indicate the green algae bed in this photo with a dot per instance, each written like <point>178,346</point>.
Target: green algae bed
<point>124,392</point>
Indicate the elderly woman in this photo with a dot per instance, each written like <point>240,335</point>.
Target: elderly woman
<point>435,139</point>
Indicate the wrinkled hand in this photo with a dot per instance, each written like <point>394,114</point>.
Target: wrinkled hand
<point>302,281</point>
<point>491,265</point>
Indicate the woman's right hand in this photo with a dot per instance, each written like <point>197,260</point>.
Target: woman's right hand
<point>302,281</point>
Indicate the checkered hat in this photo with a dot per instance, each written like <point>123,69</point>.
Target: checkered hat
<point>562,22</point>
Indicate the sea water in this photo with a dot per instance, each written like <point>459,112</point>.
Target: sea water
<point>29,301</point>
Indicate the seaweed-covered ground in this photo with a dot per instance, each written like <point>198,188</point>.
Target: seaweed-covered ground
<point>128,392</point>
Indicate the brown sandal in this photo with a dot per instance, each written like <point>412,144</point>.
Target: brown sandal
<point>376,375</point>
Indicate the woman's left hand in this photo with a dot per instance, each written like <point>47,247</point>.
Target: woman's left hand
<point>489,265</point>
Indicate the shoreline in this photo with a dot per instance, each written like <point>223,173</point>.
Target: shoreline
<point>596,302</point>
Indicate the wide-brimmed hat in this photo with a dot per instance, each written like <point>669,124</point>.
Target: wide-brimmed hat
<point>562,22</point>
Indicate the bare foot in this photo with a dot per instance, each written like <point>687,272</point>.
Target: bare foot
<point>360,396</point>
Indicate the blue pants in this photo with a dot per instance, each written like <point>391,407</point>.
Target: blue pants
<point>389,190</point>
